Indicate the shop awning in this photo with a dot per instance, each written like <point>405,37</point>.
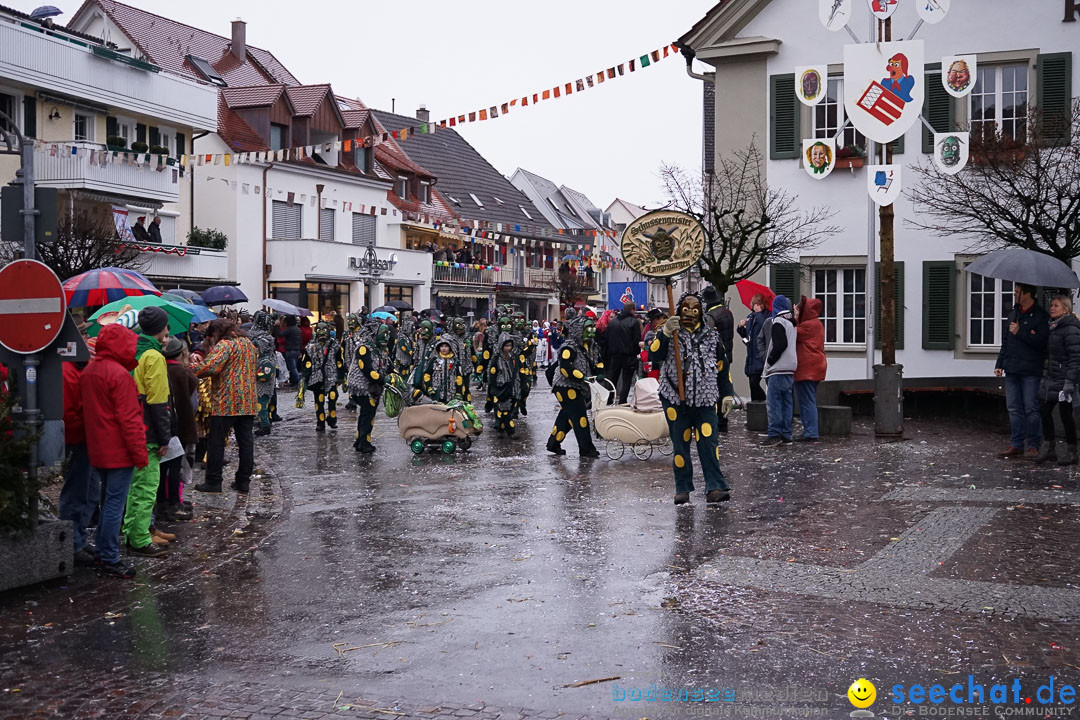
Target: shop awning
<point>463,294</point>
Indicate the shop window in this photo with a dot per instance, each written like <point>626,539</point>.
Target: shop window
<point>399,292</point>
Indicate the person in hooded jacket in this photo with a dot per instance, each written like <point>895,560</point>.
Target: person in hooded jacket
<point>781,361</point>
<point>115,435</point>
<point>266,364</point>
<point>371,363</point>
<point>750,330</point>
<point>812,364</point>
<point>1060,381</point>
<point>506,383</point>
<point>80,493</point>
<point>152,378</point>
<point>578,358</point>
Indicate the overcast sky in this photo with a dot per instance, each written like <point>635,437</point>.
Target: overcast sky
<point>456,56</point>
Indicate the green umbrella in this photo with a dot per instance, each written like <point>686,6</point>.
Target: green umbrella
<point>179,316</point>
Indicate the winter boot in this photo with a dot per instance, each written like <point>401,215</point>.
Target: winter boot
<point>1069,458</point>
<point>1048,452</point>
<point>553,446</point>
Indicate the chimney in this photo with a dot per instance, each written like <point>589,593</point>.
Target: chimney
<point>422,114</point>
<point>239,39</point>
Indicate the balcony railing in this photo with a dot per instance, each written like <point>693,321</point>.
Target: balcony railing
<point>64,170</point>
<point>465,277</point>
<point>546,279</point>
<point>165,261</point>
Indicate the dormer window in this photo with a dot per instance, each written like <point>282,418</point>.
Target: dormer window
<point>425,192</point>
<point>476,200</point>
<point>278,135</point>
<point>402,187</point>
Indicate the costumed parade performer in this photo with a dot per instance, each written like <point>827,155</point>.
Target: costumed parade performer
<point>578,359</point>
<point>319,373</point>
<point>266,368</point>
<point>506,383</point>
<point>367,379</point>
<point>705,383</point>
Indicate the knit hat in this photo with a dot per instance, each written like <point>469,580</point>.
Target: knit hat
<point>173,348</point>
<point>153,320</point>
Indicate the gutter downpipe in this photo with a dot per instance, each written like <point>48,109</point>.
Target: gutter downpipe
<point>265,284</point>
<point>191,213</point>
<point>689,54</point>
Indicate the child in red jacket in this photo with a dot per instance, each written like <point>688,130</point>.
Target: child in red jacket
<point>115,435</point>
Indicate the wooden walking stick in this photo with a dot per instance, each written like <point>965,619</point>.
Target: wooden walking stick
<point>675,341</point>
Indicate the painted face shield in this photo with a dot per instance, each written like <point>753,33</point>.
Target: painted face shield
<point>690,313</point>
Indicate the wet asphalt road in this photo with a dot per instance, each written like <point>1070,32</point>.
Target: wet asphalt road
<point>504,575</point>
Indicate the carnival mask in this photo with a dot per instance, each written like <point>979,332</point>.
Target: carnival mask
<point>519,323</point>
<point>322,330</point>
<point>950,151</point>
<point>427,329</point>
<point>382,336</point>
<point>690,313</point>
<point>457,326</point>
<point>506,324</point>
<point>352,322</point>
<point>589,331</point>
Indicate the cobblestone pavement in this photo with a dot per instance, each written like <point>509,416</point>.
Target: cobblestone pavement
<point>506,582</point>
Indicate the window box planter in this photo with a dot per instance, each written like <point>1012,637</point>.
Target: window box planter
<point>850,162</point>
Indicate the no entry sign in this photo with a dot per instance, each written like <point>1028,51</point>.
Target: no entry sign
<point>32,306</point>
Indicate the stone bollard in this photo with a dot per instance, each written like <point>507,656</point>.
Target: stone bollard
<point>757,417</point>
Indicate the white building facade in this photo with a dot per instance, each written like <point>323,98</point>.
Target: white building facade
<point>949,322</point>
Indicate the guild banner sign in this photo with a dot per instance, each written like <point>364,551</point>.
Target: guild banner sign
<point>834,14</point>
<point>883,183</point>
<point>620,293</point>
<point>120,219</point>
<point>819,157</point>
<point>883,9</point>
<point>811,84</point>
<point>958,73</point>
<point>663,243</point>
<point>883,87</point>
<point>932,11</point>
<point>951,151</point>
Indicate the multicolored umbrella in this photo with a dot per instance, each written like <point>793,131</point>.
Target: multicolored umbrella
<point>179,315</point>
<point>223,295</point>
<point>104,285</point>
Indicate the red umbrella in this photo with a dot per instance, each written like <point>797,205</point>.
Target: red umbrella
<point>748,289</point>
<point>104,285</point>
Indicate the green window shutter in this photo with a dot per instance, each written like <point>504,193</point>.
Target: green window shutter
<point>181,144</point>
<point>784,280</point>
<point>938,107</point>
<point>29,128</point>
<point>1055,95</point>
<point>783,118</point>
<point>112,127</point>
<point>897,146</point>
<point>155,136</point>
<point>898,295</point>
<point>939,316</point>
<point>140,133</point>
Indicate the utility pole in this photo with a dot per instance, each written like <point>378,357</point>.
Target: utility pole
<point>888,376</point>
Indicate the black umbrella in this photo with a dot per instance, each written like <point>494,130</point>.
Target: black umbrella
<point>385,308</point>
<point>1025,266</point>
<point>399,304</point>
<point>223,295</point>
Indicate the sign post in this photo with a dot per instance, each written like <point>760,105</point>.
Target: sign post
<point>663,244</point>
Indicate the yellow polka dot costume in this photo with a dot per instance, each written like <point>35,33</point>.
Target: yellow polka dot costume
<point>319,365</point>
<point>706,381</point>
<point>372,362</point>
<point>577,359</point>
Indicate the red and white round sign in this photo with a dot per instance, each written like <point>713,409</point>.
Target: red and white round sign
<point>32,306</point>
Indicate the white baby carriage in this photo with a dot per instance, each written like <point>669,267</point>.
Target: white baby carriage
<point>641,425</point>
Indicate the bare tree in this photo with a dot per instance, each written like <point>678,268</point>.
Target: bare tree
<point>1022,191</point>
<point>748,224</point>
<point>570,286</point>
<point>86,241</point>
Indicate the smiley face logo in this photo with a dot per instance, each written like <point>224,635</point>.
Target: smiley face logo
<point>862,694</point>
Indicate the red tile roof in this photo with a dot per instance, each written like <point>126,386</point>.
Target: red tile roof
<point>252,96</point>
<point>236,133</point>
<point>167,43</point>
<point>355,118</point>
<point>393,158</point>
<point>307,98</point>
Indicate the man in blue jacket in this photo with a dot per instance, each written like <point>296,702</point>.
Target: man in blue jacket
<point>1021,361</point>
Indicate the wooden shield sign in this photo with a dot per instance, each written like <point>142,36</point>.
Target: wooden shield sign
<point>663,243</point>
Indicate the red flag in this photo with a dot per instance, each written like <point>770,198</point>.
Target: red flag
<point>556,89</point>
<point>674,48</point>
<point>621,69</point>
<point>611,73</point>
<point>514,102</point>
<point>632,68</point>
<point>547,94</point>
<point>655,54</point>
<point>569,88</point>
<point>483,115</point>
<point>666,50</point>
<point>472,117</point>
<point>506,107</point>
<point>600,76</point>
<point>524,102</point>
<point>536,98</point>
